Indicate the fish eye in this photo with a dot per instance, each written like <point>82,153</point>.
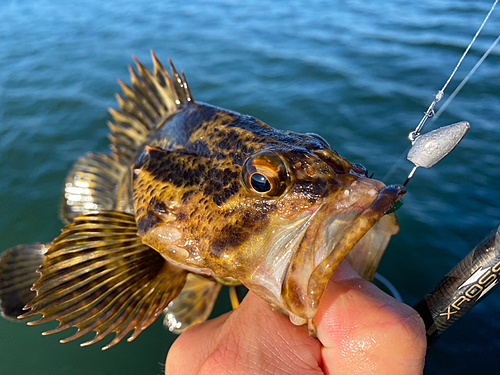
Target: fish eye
<point>260,183</point>
<point>265,174</point>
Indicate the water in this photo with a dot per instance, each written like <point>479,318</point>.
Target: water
<point>359,73</point>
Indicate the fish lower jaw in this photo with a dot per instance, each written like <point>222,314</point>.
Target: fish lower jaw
<point>297,320</point>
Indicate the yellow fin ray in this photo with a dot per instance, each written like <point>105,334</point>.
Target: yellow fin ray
<point>107,281</point>
<point>145,104</point>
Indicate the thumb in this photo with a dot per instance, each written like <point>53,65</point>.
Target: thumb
<point>364,330</point>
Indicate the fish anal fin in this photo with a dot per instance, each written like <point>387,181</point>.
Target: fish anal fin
<point>193,305</point>
<point>123,288</point>
<point>18,267</point>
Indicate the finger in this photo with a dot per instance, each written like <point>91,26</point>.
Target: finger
<point>364,330</point>
<point>193,347</point>
<point>252,339</point>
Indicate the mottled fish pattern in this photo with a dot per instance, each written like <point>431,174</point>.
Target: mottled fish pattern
<point>191,196</point>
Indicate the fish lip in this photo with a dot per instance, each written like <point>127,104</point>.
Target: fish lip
<point>317,256</point>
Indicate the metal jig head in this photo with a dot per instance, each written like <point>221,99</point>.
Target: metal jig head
<point>430,148</point>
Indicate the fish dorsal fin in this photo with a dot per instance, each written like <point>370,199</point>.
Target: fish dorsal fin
<point>98,276</point>
<point>93,183</point>
<point>145,104</point>
<point>18,267</point>
<point>91,186</point>
<point>193,305</point>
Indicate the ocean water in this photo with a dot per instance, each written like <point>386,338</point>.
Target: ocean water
<point>360,73</point>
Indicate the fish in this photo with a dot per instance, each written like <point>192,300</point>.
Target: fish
<point>191,197</point>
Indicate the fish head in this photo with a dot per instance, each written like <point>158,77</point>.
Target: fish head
<point>278,211</point>
<point>323,207</point>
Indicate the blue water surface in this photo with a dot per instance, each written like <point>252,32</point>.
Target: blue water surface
<point>360,73</point>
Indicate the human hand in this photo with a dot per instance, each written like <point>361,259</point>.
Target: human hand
<point>361,330</point>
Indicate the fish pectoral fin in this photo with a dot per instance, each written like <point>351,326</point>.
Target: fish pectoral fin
<point>193,305</point>
<point>90,186</point>
<point>98,276</point>
<point>18,267</point>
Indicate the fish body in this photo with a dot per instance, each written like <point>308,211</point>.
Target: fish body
<point>192,196</point>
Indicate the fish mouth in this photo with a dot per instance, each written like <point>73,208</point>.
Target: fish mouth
<point>335,228</point>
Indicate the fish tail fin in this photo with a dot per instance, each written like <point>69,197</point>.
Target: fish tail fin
<point>98,276</point>
<point>18,266</point>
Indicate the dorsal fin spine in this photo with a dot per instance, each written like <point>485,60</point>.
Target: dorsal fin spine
<point>186,88</point>
<point>124,118</point>
<point>128,106</point>
<point>178,84</point>
<point>163,78</point>
<point>141,86</point>
<point>130,133</point>
<point>154,85</point>
<point>145,103</point>
<point>132,95</point>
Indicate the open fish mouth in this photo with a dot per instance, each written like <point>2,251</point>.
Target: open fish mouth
<point>333,233</point>
<point>302,260</point>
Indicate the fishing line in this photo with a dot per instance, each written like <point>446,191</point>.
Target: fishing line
<point>466,79</point>
<point>470,44</point>
<point>397,165</point>
<point>430,111</point>
<point>446,138</point>
<point>385,282</point>
<point>479,272</point>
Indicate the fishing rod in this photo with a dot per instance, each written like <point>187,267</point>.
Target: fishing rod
<point>476,275</point>
<point>467,284</point>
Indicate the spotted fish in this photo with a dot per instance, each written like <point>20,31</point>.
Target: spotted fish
<point>192,196</point>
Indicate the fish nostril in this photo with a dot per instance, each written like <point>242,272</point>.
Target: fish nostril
<point>339,164</point>
<point>336,162</point>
